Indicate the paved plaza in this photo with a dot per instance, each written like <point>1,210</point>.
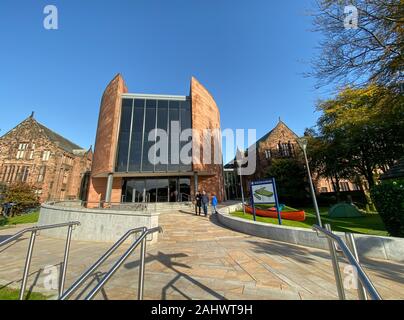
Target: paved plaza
<point>197,258</point>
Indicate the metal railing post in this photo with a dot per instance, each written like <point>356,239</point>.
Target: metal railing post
<point>65,260</point>
<point>141,269</point>
<point>350,241</point>
<point>335,266</point>
<point>27,264</point>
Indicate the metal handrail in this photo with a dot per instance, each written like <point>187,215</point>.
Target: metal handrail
<point>141,240</point>
<point>38,228</point>
<point>28,259</point>
<point>363,278</point>
<point>101,260</point>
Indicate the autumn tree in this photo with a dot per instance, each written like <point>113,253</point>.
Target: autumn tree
<point>360,134</point>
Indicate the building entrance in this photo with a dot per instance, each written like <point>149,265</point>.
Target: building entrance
<point>171,189</point>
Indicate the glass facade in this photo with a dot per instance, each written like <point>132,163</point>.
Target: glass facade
<point>167,189</point>
<point>138,118</point>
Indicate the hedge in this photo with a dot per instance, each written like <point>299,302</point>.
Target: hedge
<point>388,197</point>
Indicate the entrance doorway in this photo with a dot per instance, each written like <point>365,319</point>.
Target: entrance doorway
<point>171,189</point>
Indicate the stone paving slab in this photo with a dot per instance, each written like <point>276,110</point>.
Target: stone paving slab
<point>203,260</point>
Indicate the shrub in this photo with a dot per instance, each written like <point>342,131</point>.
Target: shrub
<point>23,196</point>
<point>389,200</point>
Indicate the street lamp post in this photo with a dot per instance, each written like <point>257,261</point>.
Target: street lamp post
<point>303,144</point>
<point>240,162</point>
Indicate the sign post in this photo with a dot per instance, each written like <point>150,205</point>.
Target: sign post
<point>264,192</point>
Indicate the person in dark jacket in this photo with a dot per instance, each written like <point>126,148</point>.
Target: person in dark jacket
<point>198,203</point>
<point>205,202</point>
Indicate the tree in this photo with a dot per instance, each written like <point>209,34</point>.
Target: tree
<point>290,179</point>
<point>328,158</point>
<point>370,123</point>
<point>372,52</point>
<point>361,133</point>
<point>23,196</point>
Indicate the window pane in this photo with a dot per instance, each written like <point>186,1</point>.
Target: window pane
<point>124,133</point>
<point>185,115</point>
<point>162,122</point>
<point>173,164</point>
<point>150,124</point>
<point>137,136</point>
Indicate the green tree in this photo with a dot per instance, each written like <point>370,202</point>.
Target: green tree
<point>368,125</point>
<point>290,179</point>
<point>23,195</point>
<point>328,159</point>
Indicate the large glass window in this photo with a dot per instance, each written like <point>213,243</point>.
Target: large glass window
<point>149,126</point>
<point>174,136</point>
<point>185,119</point>
<point>124,134</point>
<point>162,123</point>
<point>136,136</point>
<point>169,189</point>
<point>138,118</point>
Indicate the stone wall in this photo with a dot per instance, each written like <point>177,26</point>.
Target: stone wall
<point>96,224</point>
<point>108,128</point>
<point>206,115</point>
<point>63,170</point>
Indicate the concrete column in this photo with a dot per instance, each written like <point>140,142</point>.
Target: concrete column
<point>108,191</point>
<point>195,182</point>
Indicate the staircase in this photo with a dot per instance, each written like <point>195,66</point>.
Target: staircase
<point>170,206</point>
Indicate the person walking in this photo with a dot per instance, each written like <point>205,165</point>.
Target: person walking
<point>205,203</point>
<point>214,204</point>
<point>198,203</point>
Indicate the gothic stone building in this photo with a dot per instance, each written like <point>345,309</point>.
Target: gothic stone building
<point>31,153</point>
<point>280,142</point>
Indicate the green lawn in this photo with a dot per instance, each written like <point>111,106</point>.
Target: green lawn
<point>25,218</point>
<point>368,224</point>
<point>13,294</point>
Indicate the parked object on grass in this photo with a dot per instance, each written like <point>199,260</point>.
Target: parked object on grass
<point>344,210</point>
<point>271,213</point>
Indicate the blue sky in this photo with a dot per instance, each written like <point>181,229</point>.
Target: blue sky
<point>249,54</point>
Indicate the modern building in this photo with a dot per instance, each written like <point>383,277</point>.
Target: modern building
<point>34,154</point>
<point>135,162</point>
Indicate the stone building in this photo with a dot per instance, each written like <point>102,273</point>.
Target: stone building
<point>33,154</point>
<point>280,142</point>
<point>124,170</point>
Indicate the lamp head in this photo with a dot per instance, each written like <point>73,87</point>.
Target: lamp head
<point>302,142</point>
